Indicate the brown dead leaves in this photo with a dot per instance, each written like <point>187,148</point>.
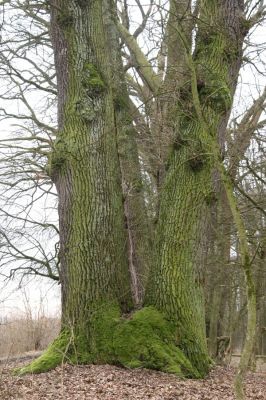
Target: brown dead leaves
<point>104,382</point>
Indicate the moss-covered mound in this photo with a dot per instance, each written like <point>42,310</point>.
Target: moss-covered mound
<point>146,339</point>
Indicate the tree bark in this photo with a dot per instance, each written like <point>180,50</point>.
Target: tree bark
<point>188,191</point>
<point>89,174</point>
<point>136,221</point>
<point>101,261</point>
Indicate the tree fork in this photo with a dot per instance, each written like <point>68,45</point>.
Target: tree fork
<point>97,321</point>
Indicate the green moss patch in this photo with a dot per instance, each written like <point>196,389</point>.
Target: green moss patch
<point>102,327</point>
<point>92,79</point>
<point>146,339</point>
<point>55,354</point>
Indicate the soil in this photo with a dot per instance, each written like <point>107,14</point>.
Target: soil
<point>105,382</point>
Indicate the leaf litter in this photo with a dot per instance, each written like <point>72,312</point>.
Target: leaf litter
<point>105,382</point>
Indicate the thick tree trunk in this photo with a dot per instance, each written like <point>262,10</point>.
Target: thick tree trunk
<point>89,168</point>
<point>188,192</point>
<point>176,286</point>
<point>99,259</point>
<point>85,168</point>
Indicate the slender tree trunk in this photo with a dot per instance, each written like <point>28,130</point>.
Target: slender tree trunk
<point>219,271</point>
<point>214,319</point>
<point>136,221</point>
<point>261,289</point>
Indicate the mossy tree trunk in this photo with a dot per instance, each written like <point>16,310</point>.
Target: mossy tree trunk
<point>90,166</point>
<point>85,168</point>
<point>188,192</point>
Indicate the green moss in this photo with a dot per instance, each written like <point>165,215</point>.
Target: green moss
<point>137,185</point>
<point>145,339</point>
<point>213,53</point>
<point>92,79</point>
<point>55,354</point>
<point>86,109</point>
<point>231,54</point>
<point>206,41</point>
<point>185,93</point>
<point>178,143</point>
<point>245,25</point>
<point>220,98</point>
<point>148,340</point>
<point>216,94</point>
<point>211,197</point>
<point>102,327</point>
<point>57,157</point>
<point>197,156</point>
<point>57,160</point>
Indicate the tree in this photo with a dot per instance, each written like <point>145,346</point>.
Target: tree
<point>102,260</point>
<point>242,135</point>
<point>29,232</point>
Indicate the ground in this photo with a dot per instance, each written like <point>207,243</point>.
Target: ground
<point>104,382</point>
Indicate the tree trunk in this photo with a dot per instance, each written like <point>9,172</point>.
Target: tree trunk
<point>136,220</point>
<point>218,272</point>
<point>176,286</point>
<point>188,191</point>
<point>99,259</point>
<point>261,290</point>
<point>89,174</point>
<point>85,168</point>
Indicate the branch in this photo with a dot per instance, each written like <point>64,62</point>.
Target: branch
<point>145,17</point>
<point>142,65</point>
<point>252,201</point>
<point>245,132</point>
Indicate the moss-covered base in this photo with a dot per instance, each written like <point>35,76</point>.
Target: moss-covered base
<point>145,339</point>
<point>55,354</point>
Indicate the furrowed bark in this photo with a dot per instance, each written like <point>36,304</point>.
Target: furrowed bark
<point>84,165</point>
<point>246,262</point>
<point>86,168</point>
<point>202,111</point>
<point>90,166</point>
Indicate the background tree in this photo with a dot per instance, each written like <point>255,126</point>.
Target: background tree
<point>29,232</point>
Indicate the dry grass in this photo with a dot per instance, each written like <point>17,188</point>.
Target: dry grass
<point>30,330</point>
<point>24,334</point>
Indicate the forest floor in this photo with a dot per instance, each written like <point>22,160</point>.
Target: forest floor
<point>104,382</point>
